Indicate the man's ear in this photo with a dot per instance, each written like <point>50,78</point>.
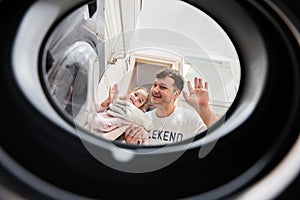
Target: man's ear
<point>176,94</point>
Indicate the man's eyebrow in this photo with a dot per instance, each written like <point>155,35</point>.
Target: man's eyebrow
<point>163,84</point>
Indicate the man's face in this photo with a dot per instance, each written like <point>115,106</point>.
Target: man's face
<point>163,91</point>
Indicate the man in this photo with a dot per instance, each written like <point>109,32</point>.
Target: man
<point>170,123</point>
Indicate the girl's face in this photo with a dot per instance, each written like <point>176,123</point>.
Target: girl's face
<point>137,98</point>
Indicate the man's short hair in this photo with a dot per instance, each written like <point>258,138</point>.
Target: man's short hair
<point>172,73</point>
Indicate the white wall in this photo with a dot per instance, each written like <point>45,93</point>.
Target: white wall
<point>183,18</point>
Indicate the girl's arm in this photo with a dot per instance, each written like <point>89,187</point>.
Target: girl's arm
<point>112,94</point>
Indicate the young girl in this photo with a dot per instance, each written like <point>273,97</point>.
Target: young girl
<point>112,127</point>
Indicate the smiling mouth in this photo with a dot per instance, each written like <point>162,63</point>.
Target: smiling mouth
<point>156,96</point>
<point>131,100</point>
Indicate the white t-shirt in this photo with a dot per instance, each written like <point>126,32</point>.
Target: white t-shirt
<point>180,125</point>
